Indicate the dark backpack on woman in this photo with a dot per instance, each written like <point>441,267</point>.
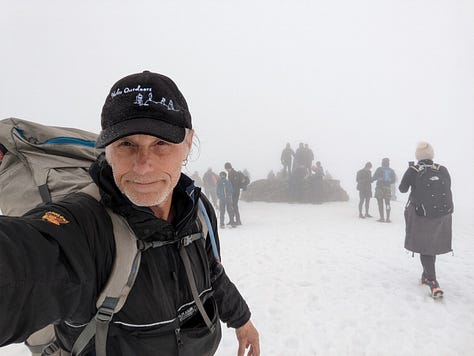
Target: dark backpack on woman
<point>432,194</point>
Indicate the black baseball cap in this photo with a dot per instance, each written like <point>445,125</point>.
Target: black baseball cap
<point>144,103</point>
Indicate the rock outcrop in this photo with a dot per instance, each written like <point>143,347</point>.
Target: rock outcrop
<point>309,190</point>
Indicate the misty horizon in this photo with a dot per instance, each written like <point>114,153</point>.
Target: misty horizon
<point>356,81</point>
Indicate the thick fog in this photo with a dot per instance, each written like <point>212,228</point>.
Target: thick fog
<point>356,80</point>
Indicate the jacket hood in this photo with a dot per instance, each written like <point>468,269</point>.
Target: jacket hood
<point>141,219</point>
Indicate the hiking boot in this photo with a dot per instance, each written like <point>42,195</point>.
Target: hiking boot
<point>436,291</point>
<point>361,216</point>
<point>381,220</point>
<point>388,220</point>
<point>238,222</point>
<point>367,215</point>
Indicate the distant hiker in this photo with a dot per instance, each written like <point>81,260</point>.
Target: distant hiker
<point>209,180</point>
<point>197,179</point>
<point>428,213</point>
<point>56,259</point>
<point>224,194</point>
<point>317,182</point>
<point>236,179</point>
<point>286,157</point>
<point>300,159</point>
<point>385,176</point>
<point>308,158</point>
<point>271,175</point>
<point>318,171</point>
<point>364,186</point>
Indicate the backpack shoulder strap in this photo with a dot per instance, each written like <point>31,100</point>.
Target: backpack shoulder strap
<point>207,228</point>
<point>126,263</point>
<point>202,219</point>
<point>120,282</point>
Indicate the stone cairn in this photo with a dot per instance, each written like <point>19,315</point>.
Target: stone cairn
<point>308,190</point>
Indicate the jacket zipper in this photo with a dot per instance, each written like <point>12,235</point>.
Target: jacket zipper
<point>177,333</point>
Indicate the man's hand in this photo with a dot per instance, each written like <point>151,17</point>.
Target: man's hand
<point>248,336</point>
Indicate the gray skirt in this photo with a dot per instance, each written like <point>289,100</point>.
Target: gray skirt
<point>427,235</point>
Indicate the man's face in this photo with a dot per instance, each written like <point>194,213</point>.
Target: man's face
<point>146,168</point>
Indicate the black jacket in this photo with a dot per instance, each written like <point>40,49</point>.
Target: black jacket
<point>364,181</point>
<point>55,260</point>
<point>235,179</point>
<point>287,155</point>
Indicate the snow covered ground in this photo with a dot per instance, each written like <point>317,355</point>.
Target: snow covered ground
<point>320,281</point>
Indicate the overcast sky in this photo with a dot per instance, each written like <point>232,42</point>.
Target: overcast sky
<point>356,80</point>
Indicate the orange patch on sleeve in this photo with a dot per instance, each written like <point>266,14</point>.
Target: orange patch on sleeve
<point>54,218</point>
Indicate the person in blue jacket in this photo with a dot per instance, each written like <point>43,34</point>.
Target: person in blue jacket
<point>224,194</point>
<point>385,177</point>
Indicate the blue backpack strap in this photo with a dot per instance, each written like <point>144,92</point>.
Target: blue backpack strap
<point>207,221</point>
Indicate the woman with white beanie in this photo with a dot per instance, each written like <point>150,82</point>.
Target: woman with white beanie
<point>428,212</point>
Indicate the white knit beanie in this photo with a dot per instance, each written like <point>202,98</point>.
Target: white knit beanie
<point>424,151</point>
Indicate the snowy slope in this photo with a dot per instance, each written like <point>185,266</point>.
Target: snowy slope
<point>320,281</point>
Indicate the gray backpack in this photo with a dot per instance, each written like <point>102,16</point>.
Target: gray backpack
<point>44,164</point>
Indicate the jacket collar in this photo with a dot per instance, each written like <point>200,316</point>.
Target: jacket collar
<point>425,162</point>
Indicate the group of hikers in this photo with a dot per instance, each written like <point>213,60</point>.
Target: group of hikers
<point>68,265</point>
<point>223,190</point>
<point>299,162</point>
<point>384,177</point>
<point>297,167</point>
<point>427,213</point>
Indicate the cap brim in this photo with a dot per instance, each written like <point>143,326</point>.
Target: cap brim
<point>144,126</point>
